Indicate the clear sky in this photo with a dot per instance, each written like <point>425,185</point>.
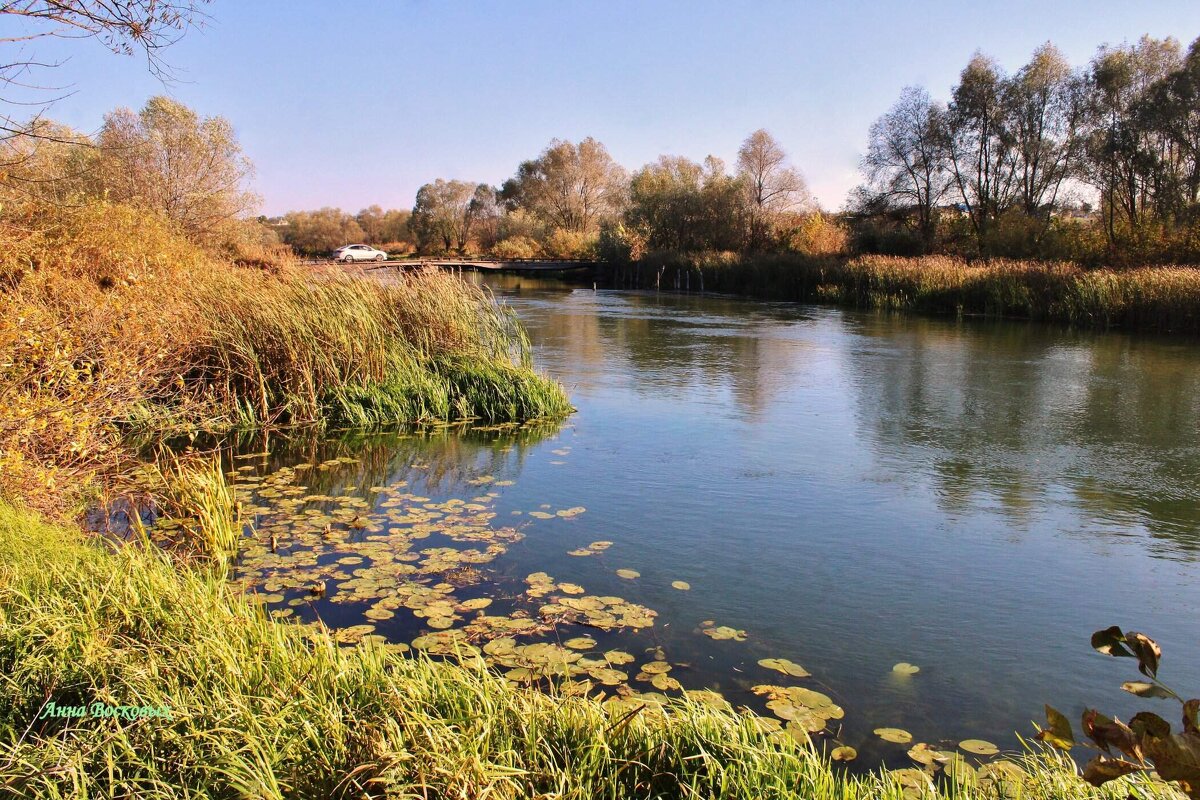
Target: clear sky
<point>353,103</point>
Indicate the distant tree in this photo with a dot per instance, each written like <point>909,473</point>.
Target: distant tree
<point>906,163</point>
<point>443,215</point>
<point>679,204</point>
<point>1046,107</point>
<point>486,212</point>
<point>320,231</point>
<point>569,186</point>
<point>383,227</point>
<point>771,183</point>
<point>666,200</point>
<point>982,146</point>
<point>49,163</point>
<point>1120,147</point>
<point>169,159</point>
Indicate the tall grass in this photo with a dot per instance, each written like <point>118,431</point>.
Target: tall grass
<point>1165,298</point>
<point>264,709</point>
<point>109,320</point>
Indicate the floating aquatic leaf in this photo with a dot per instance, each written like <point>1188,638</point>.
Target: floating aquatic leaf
<point>600,546</point>
<point>682,586</point>
<point>664,682</point>
<point>785,666</point>
<point>656,667</point>
<point>924,754</point>
<point>914,782</point>
<point>722,632</point>
<point>570,588</point>
<point>628,574</point>
<point>541,515</point>
<point>904,668</point>
<point>979,747</point>
<point>581,552</point>
<point>618,657</point>
<point>896,735</point>
<point>580,643</point>
<point>843,753</point>
<point>378,613</point>
<point>609,677</point>
<point>571,512</point>
<point>475,604</point>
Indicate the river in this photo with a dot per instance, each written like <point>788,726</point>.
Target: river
<point>851,490</point>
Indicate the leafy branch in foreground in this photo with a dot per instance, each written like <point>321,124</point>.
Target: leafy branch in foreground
<point>1147,742</point>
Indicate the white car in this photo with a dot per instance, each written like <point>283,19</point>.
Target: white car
<point>358,252</point>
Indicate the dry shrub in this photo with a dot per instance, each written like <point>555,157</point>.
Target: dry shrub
<point>819,235</point>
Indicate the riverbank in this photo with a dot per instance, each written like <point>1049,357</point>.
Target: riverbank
<point>1160,299</point>
<point>111,322</point>
<point>243,706</point>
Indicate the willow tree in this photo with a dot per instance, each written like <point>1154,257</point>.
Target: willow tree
<point>573,187</point>
<point>169,159</point>
<point>906,165</point>
<point>773,186</point>
<point>444,214</point>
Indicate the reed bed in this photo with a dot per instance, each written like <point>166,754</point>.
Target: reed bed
<point>267,709</point>
<point>1159,298</point>
<point>110,322</point>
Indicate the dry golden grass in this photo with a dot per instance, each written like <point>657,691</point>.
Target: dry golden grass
<point>108,319</point>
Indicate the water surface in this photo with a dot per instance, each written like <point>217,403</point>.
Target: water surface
<point>851,489</point>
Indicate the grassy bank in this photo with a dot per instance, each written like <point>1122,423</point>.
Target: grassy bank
<point>1164,299</point>
<point>266,709</point>
<point>111,321</point>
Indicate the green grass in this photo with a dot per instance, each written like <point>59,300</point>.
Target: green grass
<point>1165,299</point>
<point>264,709</point>
<point>348,350</point>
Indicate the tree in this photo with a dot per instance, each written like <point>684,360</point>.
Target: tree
<point>1119,146</point>
<point>570,186</point>
<point>771,183</point>
<point>906,164</point>
<point>982,147</point>
<point>443,215</point>
<point>383,227</point>
<point>320,231</point>
<point>169,159</point>
<point>123,26</point>
<point>1046,101</point>
<point>678,204</point>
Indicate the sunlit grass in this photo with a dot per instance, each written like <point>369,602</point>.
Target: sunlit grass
<point>110,322</point>
<point>1148,298</point>
<point>268,709</point>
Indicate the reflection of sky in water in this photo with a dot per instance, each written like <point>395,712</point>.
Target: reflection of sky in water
<point>856,490</point>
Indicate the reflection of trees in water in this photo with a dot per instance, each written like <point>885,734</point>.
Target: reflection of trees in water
<point>1001,411</point>
<point>674,343</point>
<point>446,458</point>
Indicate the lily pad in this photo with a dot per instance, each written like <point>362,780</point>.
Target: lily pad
<point>785,666</point>
<point>896,735</point>
<point>682,586</point>
<point>844,753</point>
<point>979,747</point>
<point>628,574</point>
<point>580,643</point>
<point>904,668</point>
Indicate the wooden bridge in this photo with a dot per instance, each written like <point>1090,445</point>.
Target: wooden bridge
<point>488,264</point>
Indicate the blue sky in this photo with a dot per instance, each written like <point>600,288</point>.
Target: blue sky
<point>353,103</point>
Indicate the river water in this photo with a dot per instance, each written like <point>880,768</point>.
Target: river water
<point>852,490</point>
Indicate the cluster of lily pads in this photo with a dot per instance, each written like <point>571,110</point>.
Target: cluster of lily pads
<point>400,553</point>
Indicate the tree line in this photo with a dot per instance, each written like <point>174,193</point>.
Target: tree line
<point>574,200</point>
<point>1098,163</point>
<point>1094,163</point>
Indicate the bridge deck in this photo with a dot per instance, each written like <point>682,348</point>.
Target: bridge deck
<point>488,264</point>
